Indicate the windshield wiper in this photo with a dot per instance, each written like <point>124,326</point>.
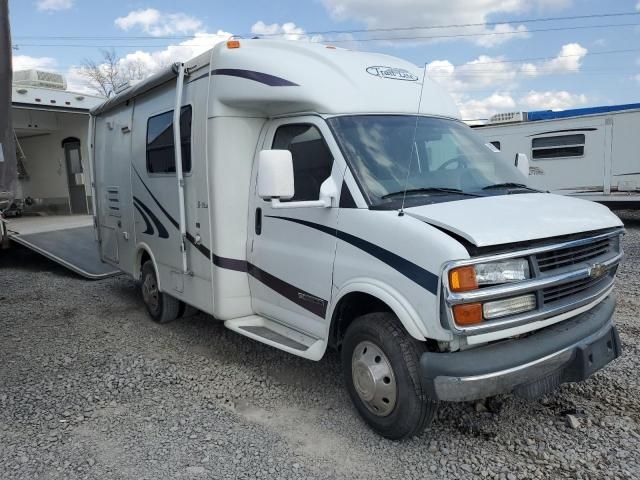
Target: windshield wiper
<point>428,190</point>
<point>509,185</point>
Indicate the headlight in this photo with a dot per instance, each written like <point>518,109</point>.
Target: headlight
<point>471,277</point>
<point>510,306</point>
<point>504,271</point>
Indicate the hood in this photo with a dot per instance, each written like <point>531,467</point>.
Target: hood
<point>504,219</point>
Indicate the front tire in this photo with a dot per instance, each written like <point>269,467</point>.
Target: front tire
<point>162,308</point>
<point>380,365</point>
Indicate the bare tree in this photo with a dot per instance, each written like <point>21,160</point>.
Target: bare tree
<point>109,73</point>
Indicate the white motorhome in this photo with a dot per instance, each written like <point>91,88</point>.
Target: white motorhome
<point>332,198</point>
<point>591,153</point>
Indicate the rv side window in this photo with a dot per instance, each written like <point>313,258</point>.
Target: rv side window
<point>312,160</point>
<point>160,145</point>
<point>496,144</point>
<point>558,147</point>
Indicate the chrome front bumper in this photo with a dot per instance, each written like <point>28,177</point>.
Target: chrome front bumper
<point>566,352</point>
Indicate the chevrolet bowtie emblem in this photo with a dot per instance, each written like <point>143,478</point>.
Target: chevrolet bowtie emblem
<point>597,270</point>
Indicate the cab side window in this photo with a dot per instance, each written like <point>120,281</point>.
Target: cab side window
<point>312,160</point>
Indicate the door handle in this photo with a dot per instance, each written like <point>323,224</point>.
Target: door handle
<point>258,221</point>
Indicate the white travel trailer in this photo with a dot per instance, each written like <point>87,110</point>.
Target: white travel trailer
<point>331,198</point>
<point>51,126</point>
<point>590,153</point>
<point>51,212</point>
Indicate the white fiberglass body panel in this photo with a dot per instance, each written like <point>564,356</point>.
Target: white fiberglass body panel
<point>507,219</point>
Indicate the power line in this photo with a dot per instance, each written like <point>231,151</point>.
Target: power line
<point>522,74</point>
<point>534,59</point>
<point>472,66</point>
<point>483,34</point>
<point>351,31</point>
<point>354,40</point>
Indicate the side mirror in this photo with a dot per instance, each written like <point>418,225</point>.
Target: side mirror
<point>522,163</point>
<point>275,174</point>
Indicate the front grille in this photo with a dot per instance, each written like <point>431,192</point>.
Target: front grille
<point>565,257</point>
<point>569,276</point>
<point>559,292</point>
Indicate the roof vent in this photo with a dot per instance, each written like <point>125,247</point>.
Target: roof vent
<point>39,78</point>
<point>122,87</point>
<point>508,117</point>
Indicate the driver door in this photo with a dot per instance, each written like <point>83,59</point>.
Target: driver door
<point>292,250</point>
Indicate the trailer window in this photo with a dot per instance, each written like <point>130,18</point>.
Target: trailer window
<point>496,144</point>
<point>312,159</point>
<point>160,145</point>
<point>558,146</point>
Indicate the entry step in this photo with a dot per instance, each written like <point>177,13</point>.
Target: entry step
<point>277,335</point>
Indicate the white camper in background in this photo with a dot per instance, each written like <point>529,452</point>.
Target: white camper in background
<point>51,125</point>
<point>52,211</point>
<point>330,198</point>
<point>590,153</point>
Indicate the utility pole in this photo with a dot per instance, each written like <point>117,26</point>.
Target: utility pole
<point>8,166</point>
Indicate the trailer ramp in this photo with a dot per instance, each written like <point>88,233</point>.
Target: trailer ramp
<point>74,247</point>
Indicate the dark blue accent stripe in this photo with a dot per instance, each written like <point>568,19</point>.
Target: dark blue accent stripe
<point>231,264</point>
<point>306,300</point>
<point>169,217</point>
<point>162,232</point>
<point>147,224</point>
<point>417,274</point>
<point>259,77</point>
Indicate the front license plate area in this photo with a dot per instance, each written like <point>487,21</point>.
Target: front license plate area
<point>597,354</point>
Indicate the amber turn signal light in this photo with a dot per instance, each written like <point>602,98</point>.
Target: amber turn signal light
<point>233,44</point>
<point>468,314</point>
<point>463,279</point>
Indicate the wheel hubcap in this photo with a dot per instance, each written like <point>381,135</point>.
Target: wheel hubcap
<point>150,292</point>
<point>373,378</point>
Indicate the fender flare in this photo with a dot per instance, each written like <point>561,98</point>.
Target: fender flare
<point>143,247</point>
<point>392,298</point>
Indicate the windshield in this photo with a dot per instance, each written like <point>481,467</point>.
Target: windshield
<point>447,160</point>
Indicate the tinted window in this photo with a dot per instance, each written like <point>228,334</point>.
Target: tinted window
<point>312,159</point>
<point>558,146</point>
<point>496,144</point>
<point>160,146</point>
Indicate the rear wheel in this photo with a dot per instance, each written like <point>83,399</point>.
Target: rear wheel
<point>380,364</point>
<point>162,307</point>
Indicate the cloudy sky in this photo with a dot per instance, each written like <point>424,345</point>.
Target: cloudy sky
<point>492,55</point>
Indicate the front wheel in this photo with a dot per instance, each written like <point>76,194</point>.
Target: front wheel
<point>162,307</point>
<point>380,364</point>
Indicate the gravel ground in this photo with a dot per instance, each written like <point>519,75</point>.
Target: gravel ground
<point>91,388</point>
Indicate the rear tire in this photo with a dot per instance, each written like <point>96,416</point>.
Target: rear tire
<point>378,355</point>
<point>162,307</point>
<point>187,310</point>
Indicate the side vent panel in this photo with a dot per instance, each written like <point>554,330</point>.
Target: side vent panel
<point>113,201</point>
